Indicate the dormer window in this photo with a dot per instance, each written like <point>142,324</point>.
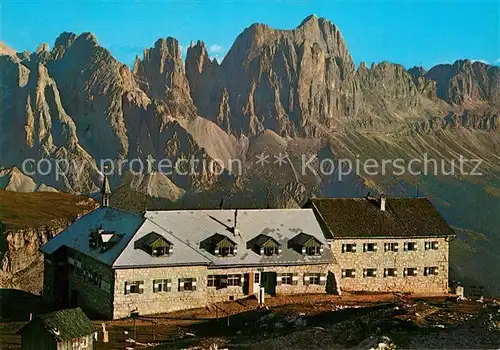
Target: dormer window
<point>220,245</point>
<point>103,240</point>
<point>155,245</point>
<point>264,245</point>
<point>306,244</point>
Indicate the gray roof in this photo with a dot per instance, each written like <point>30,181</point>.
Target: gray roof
<point>182,254</point>
<point>76,235</point>
<point>187,229</point>
<point>191,227</point>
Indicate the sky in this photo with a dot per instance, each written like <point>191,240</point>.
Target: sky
<point>423,33</point>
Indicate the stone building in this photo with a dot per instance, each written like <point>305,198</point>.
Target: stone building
<point>113,263</point>
<point>60,330</point>
<point>386,244</point>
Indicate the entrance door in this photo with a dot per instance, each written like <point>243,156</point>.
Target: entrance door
<point>256,282</point>
<point>269,282</point>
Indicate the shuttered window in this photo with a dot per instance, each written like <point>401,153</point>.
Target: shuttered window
<point>187,284</point>
<point>163,285</point>
<point>134,287</point>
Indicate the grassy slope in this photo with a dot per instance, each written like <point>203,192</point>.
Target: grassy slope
<point>20,210</point>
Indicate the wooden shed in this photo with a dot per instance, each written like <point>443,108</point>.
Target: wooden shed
<point>68,329</point>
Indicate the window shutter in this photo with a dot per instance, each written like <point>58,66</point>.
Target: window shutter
<point>181,284</point>
<point>406,246</point>
<point>194,284</point>
<point>374,247</point>
<point>127,288</point>
<point>303,250</point>
<point>170,250</point>
<point>364,272</point>
<point>155,286</point>
<point>426,271</point>
<point>306,279</point>
<point>405,272</point>
<point>375,273</point>
<point>169,285</point>
<point>436,271</point>
<point>322,279</point>
<point>386,246</point>
<point>436,244</point>
<point>395,272</point>
<point>235,250</point>
<point>354,273</point>
<point>141,287</point>
<point>321,249</point>
<point>364,247</point>
<point>261,250</point>
<point>395,247</point>
<point>278,279</point>
<point>343,273</point>
<point>295,279</point>
<point>385,272</point>
<point>354,248</point>
<point>426,245</point>
<point>343,248</point>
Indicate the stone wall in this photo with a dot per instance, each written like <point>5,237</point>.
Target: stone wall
<point>93,281</point>
<point>380,259</point>
<point>149,302</point>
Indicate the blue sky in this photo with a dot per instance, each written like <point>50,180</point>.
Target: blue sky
<point>421,33</point>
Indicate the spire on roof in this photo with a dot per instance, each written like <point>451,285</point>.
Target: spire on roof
<point>105,192</point>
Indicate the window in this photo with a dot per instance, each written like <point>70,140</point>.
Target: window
<point>271,251</point>
<point>226,251</point>
<point>314,250</point>
<point>390,272</point>
<point>211,281</point>
<point>348,273</point>
<point>162,286</point>
<point>370,247</point>
<point>314,278</point>
<point>432,270</point>
<point>286,278</point>
<point>160,251</point>
<point>134,287</point>
<point>234,280</point>
<point>411,246</point>
<point>187,284</point>
<point>349,248</point>
<point>370,272</point>
<point>256,278</point>
<point>410,271</point>
<point>217,281</point>
<point>390,247</point>
<point>431,245</point>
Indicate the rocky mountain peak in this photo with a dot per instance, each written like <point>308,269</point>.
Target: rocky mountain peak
<point>6,50</point>
<point>467,83</point>
<point>162,76</point>
<point>65,39</point>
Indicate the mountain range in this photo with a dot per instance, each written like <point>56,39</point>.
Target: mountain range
<point>295,94</point>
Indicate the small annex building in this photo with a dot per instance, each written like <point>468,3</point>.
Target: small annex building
<point>68,329</point>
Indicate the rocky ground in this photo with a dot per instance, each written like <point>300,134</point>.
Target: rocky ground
<point>382,321</point>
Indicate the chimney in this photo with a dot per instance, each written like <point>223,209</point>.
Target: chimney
<point>235,228</point>
<point>382,202</point>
